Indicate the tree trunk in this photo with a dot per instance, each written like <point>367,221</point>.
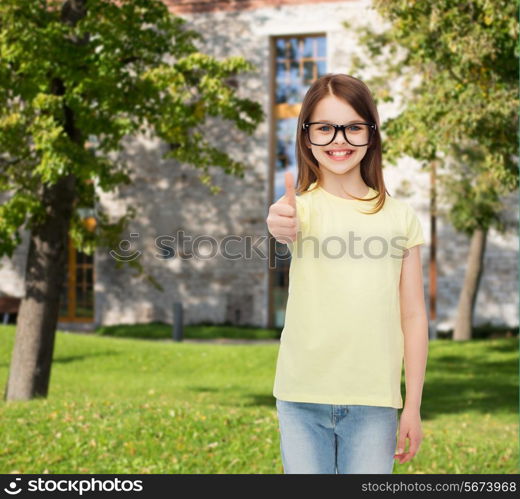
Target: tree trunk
<point>469,290</point>
<point>30,369</point>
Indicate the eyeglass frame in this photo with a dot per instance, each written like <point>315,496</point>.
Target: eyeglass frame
<point>373,128</point>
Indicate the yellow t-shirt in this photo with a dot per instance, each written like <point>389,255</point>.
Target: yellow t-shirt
<point>342,341</point>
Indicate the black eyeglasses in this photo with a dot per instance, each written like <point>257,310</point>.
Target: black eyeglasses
<point>321,133</point>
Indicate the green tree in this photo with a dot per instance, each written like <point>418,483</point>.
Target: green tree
<point>93,70</point>
<point>457,62</point>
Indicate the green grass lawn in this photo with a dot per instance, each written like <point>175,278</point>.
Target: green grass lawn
<point>131,406</point>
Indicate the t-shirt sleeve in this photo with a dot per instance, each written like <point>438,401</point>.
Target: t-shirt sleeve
<point>414,231</point>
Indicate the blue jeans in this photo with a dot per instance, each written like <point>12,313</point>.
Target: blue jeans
<point>326,438</point>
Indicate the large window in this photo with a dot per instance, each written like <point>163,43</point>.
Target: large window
<point>299,61</point>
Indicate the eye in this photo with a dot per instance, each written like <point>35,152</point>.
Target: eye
<point>354,128</point>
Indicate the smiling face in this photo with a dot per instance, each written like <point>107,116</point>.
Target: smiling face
<point>339,112</point>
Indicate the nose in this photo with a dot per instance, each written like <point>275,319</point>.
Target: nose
<point>340,137</point>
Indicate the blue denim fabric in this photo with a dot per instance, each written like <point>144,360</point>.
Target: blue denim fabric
<point>327,438</point>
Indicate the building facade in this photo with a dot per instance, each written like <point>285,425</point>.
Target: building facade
<point>291,43</point>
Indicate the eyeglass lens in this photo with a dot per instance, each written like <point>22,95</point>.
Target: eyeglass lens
<point>322,133</point>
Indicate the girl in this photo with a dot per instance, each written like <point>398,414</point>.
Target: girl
<point>356,303</point>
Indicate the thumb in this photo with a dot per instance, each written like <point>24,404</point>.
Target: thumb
<point>290,194</point>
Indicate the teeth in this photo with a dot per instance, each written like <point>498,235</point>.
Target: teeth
<point>343,153</point>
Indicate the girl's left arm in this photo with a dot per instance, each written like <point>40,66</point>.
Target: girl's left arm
<point>414,323</point>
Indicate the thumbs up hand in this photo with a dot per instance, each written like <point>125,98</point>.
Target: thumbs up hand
<point>282,221</point>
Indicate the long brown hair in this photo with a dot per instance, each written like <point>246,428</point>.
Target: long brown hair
<point>358,95</point>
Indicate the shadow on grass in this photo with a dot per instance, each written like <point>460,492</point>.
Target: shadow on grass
<point>74,358</point>
<point>501,347</point>
<point>458,383</point>
<point>208,389</point>
<point>253,400</point>
<point>261,399</point>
